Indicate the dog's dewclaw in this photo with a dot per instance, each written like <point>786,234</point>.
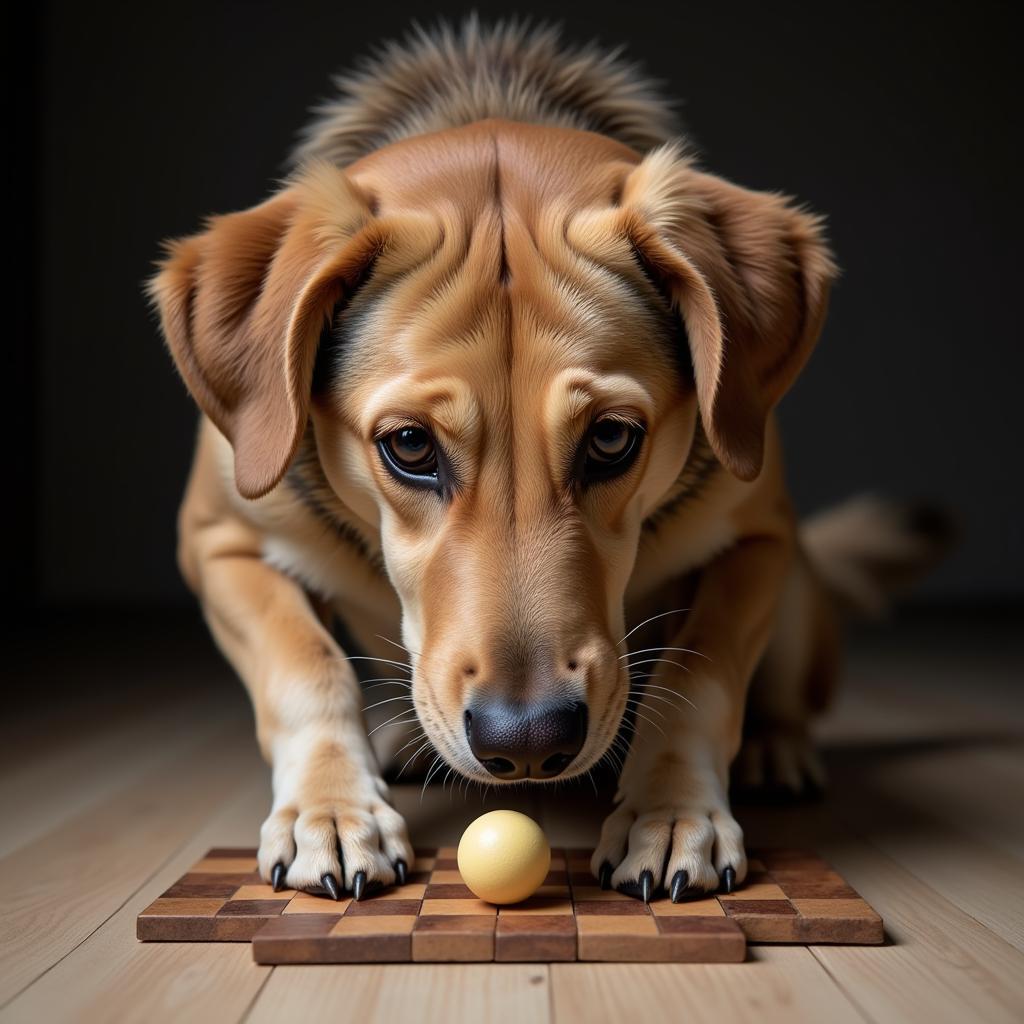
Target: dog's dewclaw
<point>330,883</point>
<point>277,877</point>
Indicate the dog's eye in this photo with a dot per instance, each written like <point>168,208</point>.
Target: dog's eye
<point>611,447</point>
<point>411,451</point>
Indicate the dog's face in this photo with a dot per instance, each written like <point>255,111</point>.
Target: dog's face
<point>523,335</point>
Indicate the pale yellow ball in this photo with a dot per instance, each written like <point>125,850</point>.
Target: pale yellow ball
<point>504,856</point>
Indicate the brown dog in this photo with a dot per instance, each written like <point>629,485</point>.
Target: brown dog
<point>494,372</point>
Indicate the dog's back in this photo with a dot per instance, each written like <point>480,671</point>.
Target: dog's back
<point>448,77</point>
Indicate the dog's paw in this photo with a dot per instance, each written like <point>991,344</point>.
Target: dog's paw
<point>332,827</point>
<point>778,766</point>
<point>686,850</point>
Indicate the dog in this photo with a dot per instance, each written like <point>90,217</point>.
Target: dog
<point>487,385</point>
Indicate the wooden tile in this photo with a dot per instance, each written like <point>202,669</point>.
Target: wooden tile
<point>538,905</point>
<point>535,938</point>
<point>383,908</point>
<point>263,892</point>
<point>474,906</point>
<point>408,891</point>
<point>598,925</point>
<point>251,908</point>
<point>453,938</point>
<point>688,908</point>
<point>595,892</point>
<point>453,877</point>
<point>382,939</point>
<point>459,891</point>
<point>306,903</point>
<point>295,939</point>
<point>608,908</point>
<point>758,891</point>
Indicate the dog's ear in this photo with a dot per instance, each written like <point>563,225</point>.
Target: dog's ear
<point>243,304</point>
<point>749,273</point>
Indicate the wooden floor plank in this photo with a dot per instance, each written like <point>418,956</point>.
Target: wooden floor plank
<point>424,993</point>
<point>112,976</point>
<point>57,890</point>
<point>941,964</point>
<point>70,775</point>
<point>776,984</point>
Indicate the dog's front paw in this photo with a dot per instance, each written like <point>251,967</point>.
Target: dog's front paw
<point>686,848</point>
<point>332,828</point>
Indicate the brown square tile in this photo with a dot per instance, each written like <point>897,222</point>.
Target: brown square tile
<point>537,905</point>
<point>709,907</point>
<point>263,892</point>
<point>383,908</point>
<point>535,938</point>
<point>307,903</point>
<point>449,892</point>
<point>459,907</point>
<point>610,908</point>
<point>453,938</point>
<point>251,908</point>
<point>768,908</point>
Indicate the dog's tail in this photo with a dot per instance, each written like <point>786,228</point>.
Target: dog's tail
<point>868,549</point>
<point>449,76</point>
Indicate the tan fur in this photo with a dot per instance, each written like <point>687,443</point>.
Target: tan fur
<point>502,283</point>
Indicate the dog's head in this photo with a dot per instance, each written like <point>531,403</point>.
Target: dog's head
<point>506,338</point>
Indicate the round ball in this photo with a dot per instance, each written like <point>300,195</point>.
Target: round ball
<point>504,856</point>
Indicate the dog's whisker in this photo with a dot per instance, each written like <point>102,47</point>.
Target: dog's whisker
<point>404,665</point>
<point>389,700</point>
<point>660,615</point>
<point>653,661</point>
<point>640,704</point>
<point>401,714</point>
<point>395,643</point>
<point>648,650</point>
<point>371,684</point>
<point>675,693</point>
<point>416,753</point>
<point>650,721</point>
<point>654,696</point>
<point>438,765</point>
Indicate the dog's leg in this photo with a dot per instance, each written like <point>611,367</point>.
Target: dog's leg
<point>673,826</point>
<point>331,818</point>
<point>795,681</point>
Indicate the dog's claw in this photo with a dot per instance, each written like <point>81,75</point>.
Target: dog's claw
<point>330,883</point>
<point>680,881</point>
<point>728,880</point>
<point>359,885</point>
<point>646,885</point>
<point>277,877</point>
<point>642,888</point>
<point>401,871</point>
<point>605,875</point>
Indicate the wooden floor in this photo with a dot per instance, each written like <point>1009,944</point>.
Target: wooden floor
<point>125,754</point>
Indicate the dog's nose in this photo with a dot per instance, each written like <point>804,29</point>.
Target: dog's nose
<point>526,741</point>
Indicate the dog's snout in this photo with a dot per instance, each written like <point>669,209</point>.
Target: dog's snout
<point>526,741</point>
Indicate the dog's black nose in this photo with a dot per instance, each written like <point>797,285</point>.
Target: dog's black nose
<point>526,741</point>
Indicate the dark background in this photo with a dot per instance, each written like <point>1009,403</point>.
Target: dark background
<point>138,120</point>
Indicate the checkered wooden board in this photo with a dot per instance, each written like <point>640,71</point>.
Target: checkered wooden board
<point>789,896</point>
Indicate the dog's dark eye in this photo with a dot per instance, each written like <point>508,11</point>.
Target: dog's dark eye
<point>611,448</point>
<point>411,451</point>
